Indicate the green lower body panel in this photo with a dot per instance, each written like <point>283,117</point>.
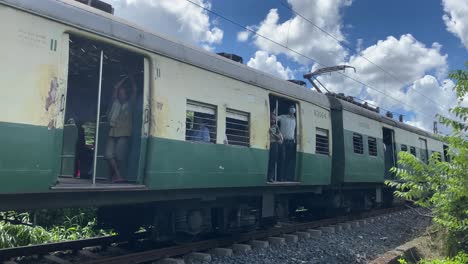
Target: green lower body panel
<point>314,169</point>
<point>176,164</point>
<point>362,168</point>
<point>28,158</point>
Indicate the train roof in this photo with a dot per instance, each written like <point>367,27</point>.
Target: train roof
<point>383,119</point>
<point>90,19</point>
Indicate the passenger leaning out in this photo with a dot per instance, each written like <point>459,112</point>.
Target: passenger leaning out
<point>287,124</point>
<point>276,141</point>
<point>120,121</point>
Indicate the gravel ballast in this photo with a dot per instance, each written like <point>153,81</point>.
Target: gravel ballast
<point>356,245</point>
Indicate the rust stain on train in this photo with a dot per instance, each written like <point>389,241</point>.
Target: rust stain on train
<point>49,92</point>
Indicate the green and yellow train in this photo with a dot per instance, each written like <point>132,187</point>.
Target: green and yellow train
<point>59,60</point>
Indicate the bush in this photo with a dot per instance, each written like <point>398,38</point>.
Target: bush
<point>441,185</point>
<point>16,229</point>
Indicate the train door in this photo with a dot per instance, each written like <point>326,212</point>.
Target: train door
<point>423,149</point>
<point>389,151</point>
<point>283,167</point>
<point>106,115</point>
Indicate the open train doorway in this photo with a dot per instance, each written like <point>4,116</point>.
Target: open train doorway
<point>389,151</point>
<point>283,153</point>
<point>103,124</point>
<point>423,148</point>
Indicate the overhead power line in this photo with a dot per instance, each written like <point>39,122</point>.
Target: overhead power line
<point>302,55</point>
<point>343,44</point>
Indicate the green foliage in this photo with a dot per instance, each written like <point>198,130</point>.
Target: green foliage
<point>461,258</point>
<point>73,229</point>
<point>442,186</point>
<point>16,229</point>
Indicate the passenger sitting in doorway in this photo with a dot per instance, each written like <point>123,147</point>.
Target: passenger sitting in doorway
<point>276,141</point>
<point>120,121</point>
<point>201,131</point>
<point>287,124</point>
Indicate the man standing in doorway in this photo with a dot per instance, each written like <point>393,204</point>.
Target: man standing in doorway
<point>276,142</point>
<point>288,129</point>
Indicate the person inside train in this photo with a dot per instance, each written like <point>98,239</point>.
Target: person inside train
<point>120,121</point>
<point>287,125</point>
<point>276,141</point>
<point>201,132</point>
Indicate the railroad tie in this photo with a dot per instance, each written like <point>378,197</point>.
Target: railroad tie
<point>303,235</point>
<point>277,241</point>
<point>289,238</point>
<point>88,254</point>
<point>327,229</point>
<point>345,226</point>
<point>198,257</point>
<point>338,228</point>
<point>314,232</point>
<point>171,261</point>
<point>259,244</point>
<point>241,248</point>
<point>221,252</point>
<point>56,259</point>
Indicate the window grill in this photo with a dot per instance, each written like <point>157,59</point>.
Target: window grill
<point>237,128</point>
<point>404,148</point>
<point>372,146</point>
<point>413,151</point>
<point>200,122</point>
<point>322,142</point>
<point>357,144</point>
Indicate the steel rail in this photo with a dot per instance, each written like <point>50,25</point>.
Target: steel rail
<point>182,249</point>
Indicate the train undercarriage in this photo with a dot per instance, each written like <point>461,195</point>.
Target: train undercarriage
<point>192,219</point>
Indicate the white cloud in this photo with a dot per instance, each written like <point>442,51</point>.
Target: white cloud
<point>177,18</point>
<point>243,36</point>
<point>269,64</point>
<point>405,59</point>
<point>441,92</point>
<point>301,36</point>
<point>456,18</point>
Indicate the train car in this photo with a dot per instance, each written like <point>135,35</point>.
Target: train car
<point>196,154</point>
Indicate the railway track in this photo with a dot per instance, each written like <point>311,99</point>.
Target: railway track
<point>156,254</point>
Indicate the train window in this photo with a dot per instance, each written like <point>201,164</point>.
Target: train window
<point>200,122</point>
<point>357,143</point>
<point>372,146</point>
<point>404,147</point>
<point>321,142</point>
<point>237,128</point>
<point>412,150</point>
<point>446,153</point>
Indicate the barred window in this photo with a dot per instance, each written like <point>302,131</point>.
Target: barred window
<point>357,144</point>
<point>372,146</point>
<point>404,147</point>
<point>237,128</point>
<point>322,142</point>
<point>412,150</point>
<point>200,122</point>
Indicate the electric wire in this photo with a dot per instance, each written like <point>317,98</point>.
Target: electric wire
<point>303,55</point>
<point>343,44</point>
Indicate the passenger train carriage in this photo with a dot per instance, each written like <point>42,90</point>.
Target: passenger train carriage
<point>59,61</point>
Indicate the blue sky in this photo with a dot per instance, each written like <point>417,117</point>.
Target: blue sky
<point>368,20</point>
<point>416,42</point>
